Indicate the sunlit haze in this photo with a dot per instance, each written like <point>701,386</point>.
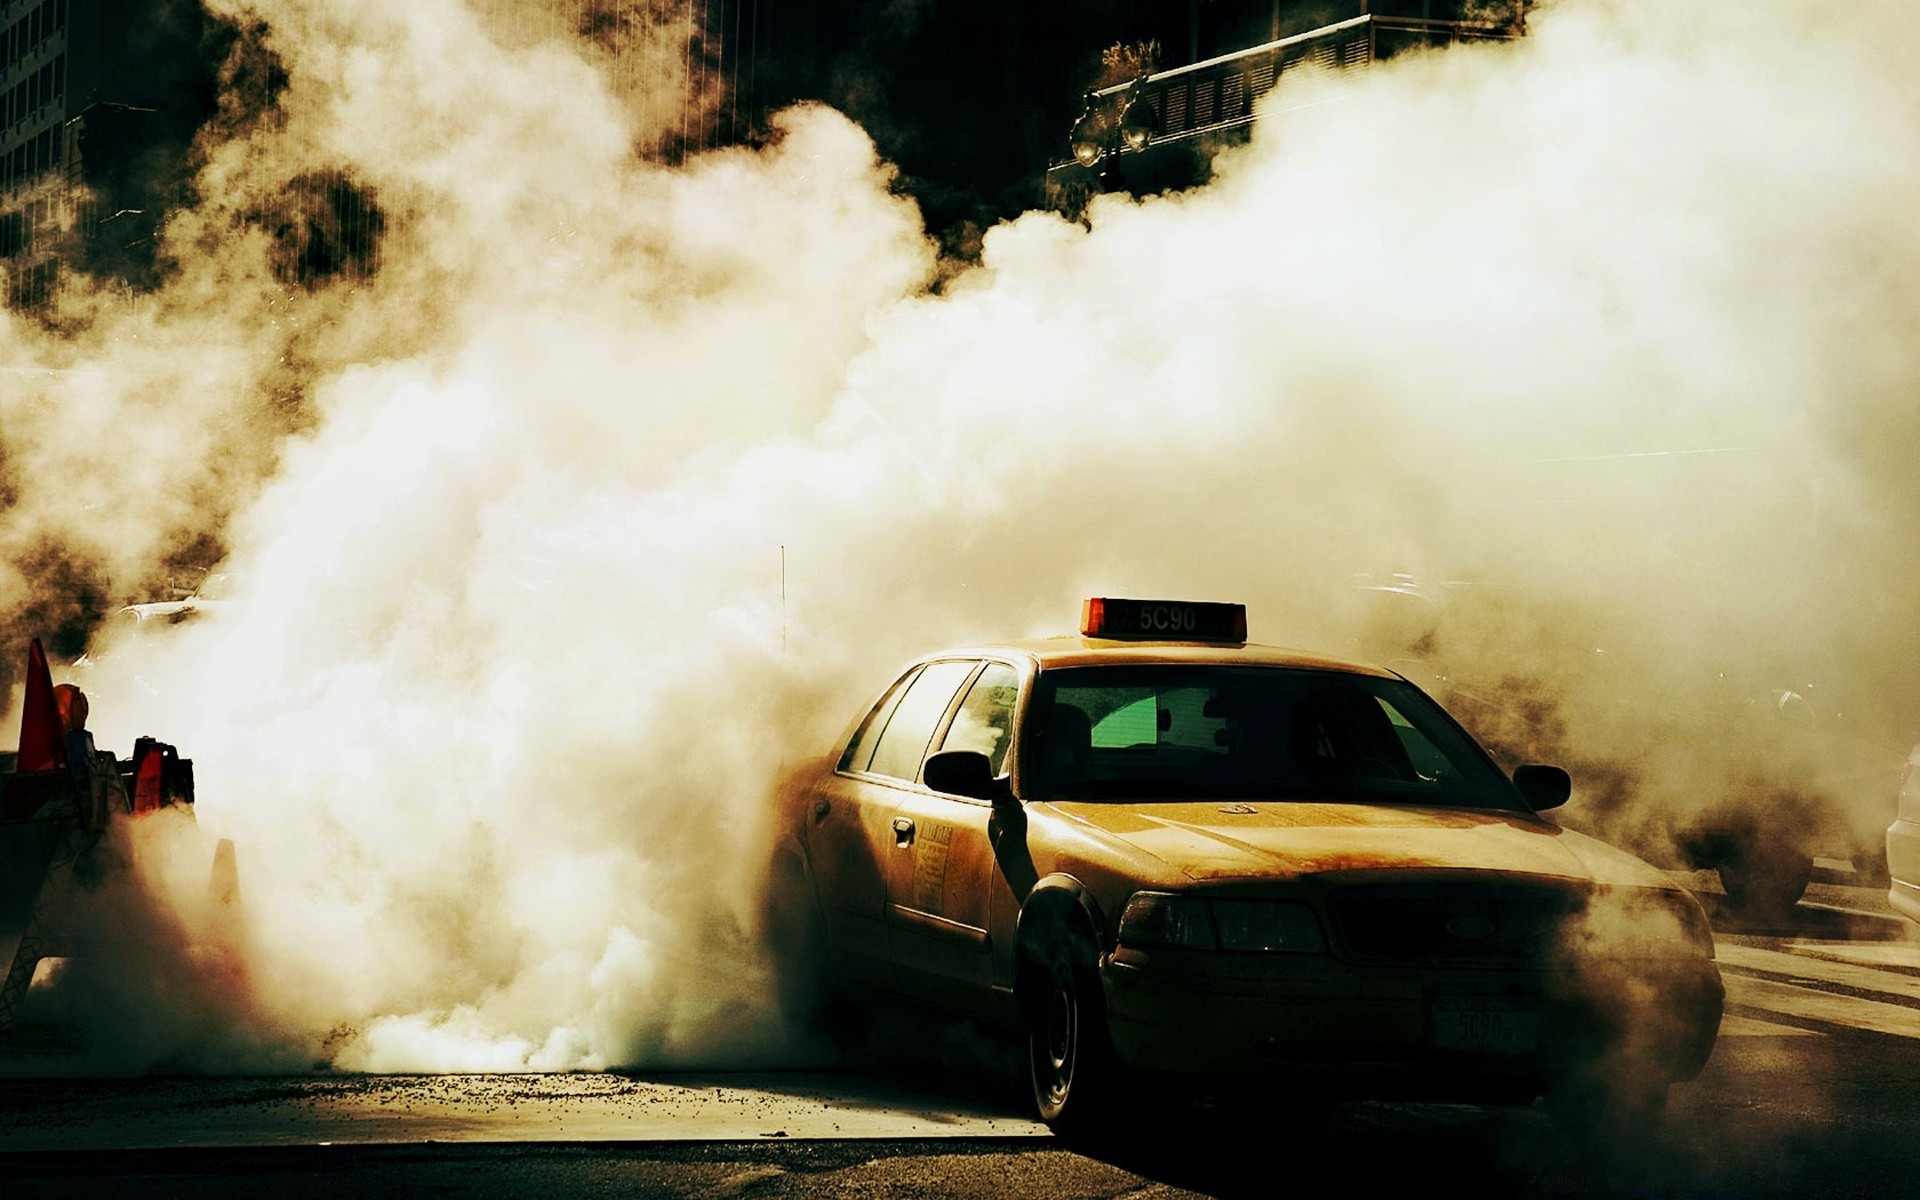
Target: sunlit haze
<point>620,486</point>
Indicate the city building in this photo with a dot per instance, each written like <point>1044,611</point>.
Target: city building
<point>99,103</point>
<point>35,59</point>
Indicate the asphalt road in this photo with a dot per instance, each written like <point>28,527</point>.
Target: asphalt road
<point>1814,1088</point>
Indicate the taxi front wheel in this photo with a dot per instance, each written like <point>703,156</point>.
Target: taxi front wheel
<point>1069,1056</point>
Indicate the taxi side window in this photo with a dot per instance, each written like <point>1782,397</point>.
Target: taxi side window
<point>860,749</point>
<point>904,743</point>
<point>985,720</point>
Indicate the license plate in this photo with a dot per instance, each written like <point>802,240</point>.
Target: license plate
<point>1489,1025</point>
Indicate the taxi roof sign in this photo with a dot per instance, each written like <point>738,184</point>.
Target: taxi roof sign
<point>1163,620</point>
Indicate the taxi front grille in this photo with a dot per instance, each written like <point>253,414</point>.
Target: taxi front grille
<point>1448,923</point>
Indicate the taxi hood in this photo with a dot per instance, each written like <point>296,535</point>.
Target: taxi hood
<point>1216,840</point>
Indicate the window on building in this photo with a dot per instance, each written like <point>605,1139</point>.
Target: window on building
<point>33,288</point>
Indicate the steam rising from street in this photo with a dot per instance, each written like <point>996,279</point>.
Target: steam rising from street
<point>1614,323</point>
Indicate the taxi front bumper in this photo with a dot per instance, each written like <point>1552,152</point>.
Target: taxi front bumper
<point>1440,1032</point>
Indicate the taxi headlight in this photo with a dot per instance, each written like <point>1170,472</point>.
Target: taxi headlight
<point>1193,922</point>
<point>1644,923</point>
<point>1161,919</point>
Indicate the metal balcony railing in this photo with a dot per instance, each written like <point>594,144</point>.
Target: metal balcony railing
<point>1218,95</point>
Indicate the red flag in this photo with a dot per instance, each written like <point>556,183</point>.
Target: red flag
<point>43,744</point>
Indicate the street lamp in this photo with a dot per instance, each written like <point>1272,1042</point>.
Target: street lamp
<point>1090,133</point>
<point>1107,127</point>
<point>1139,122</point>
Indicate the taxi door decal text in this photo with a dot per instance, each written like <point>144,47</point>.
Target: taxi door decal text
<point>930,866</point>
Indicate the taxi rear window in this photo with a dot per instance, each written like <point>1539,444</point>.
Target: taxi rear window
<point>1167,731</point>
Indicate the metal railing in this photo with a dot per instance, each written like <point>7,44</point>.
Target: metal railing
<point>1218,95</point>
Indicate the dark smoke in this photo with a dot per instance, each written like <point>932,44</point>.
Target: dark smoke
<point>324,227</point>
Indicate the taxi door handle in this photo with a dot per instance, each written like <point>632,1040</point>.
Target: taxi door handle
<point>903,831</point>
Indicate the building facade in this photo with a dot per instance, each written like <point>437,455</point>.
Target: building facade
<point>99,103</point>
<point>35,69</point>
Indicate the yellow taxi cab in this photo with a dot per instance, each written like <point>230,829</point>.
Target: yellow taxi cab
<point>1163,853</point>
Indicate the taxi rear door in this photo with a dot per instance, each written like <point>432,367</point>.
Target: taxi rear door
<point>850,838</point>
<point>941,876</point>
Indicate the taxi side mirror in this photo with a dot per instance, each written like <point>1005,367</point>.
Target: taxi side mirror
<point>966,773</point>
<point>1542,787</point>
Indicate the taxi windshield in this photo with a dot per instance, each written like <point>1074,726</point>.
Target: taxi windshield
<point>1172,732</point>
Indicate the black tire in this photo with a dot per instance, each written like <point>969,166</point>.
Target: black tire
<point>1070,1059</point>
<point>1762,881</point>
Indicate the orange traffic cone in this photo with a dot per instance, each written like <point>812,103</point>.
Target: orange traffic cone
<point>43,745</point>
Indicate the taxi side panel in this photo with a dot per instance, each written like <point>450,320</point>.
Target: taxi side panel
<point>944,883</point>
<point>847,844</point>
<point>940,889</point>
<point>859,840</point>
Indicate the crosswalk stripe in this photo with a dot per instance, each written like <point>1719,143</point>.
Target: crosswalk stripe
<point>1821,970</point>
<point>1825,1007</point>
<point>1734,1025</point>
<point>1901,955</point>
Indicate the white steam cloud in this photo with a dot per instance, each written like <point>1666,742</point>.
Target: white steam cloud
<point>496,716</point>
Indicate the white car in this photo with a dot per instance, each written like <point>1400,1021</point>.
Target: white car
<point>207,598</point>
<point>1903,842</point>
